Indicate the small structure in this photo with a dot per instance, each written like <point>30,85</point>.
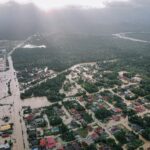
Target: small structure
<point>5,127</point>
<point>43,143</point>
<point>51,143</point>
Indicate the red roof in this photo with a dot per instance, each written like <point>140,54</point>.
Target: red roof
<point>137,104</point>
<point>117,110</point>
<point>50,142</point>
<point>116,118</point>
<point>139,109</point>
<point>94,136</point>
<point>101,106</point>
<point>42,142</point>
<point>30,117</point>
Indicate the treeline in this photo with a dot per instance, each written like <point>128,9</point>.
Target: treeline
<point>76,49</point>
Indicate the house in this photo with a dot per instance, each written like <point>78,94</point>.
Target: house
<point>59,147</point>
<point>90,128</point>
<point>88,140</point>
<point>116,118</point>
<point>43,143</point>
<point>136,79</point>
<point>55,130</point>
<point>94,136</point>
<point>139,109</point>
<point>81,99</point>
<point>39,120</point>
<point>35,149</point>
<point>76,146</point>
<point>28,117</point>
<point>51,143</point>
<point>104,147</point>
<point>69,147</point>
<point>74,124</point>
<point>99,130</point>
<point>117,110</point>
<point>5,127</point>
<point>5,146</point>
<point>101,106</point>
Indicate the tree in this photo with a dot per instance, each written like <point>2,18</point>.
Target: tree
<point>55,120</point>
<point>121,136</point>
<point>136,120</point>
<point>63,128</point>
<point>146,134</point>
<point>102,113</point>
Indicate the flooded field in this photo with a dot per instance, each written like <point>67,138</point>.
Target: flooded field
<point>3,87</point>
<point>36,102</point>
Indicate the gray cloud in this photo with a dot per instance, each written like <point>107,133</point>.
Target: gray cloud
<point>130,3</point>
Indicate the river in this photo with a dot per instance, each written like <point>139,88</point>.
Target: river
<point>124,36</point>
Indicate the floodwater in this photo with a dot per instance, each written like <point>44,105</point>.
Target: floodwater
<point>35,102</point>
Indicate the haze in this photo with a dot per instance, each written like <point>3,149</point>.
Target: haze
<point>74,74</point>
<point>49,4</point>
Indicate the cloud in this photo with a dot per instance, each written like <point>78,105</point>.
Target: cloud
<point>141,2</point>
<point>46,4</point>
<point>131,4</point>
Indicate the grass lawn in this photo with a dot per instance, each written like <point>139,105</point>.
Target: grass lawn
<point>82,132</point>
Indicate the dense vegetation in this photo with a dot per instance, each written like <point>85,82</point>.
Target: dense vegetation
<point>143,123</point>
<point>128,137</point>
<point>71,49</point>
<point>103,114</point>
<point>109,79</point>
<point>89,87</point>
<point>53,117</point>
<point>50,89</point>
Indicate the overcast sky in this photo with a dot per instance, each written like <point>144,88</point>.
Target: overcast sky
<point>48,4</point>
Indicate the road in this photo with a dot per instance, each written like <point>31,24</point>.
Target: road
<point>16,106</point>
<point>15,101</point>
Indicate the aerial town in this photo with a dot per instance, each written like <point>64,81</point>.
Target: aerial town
<point>101,110</point>
<point>74,74</point>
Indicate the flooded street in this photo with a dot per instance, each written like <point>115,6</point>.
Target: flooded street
<point>16,107</point>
